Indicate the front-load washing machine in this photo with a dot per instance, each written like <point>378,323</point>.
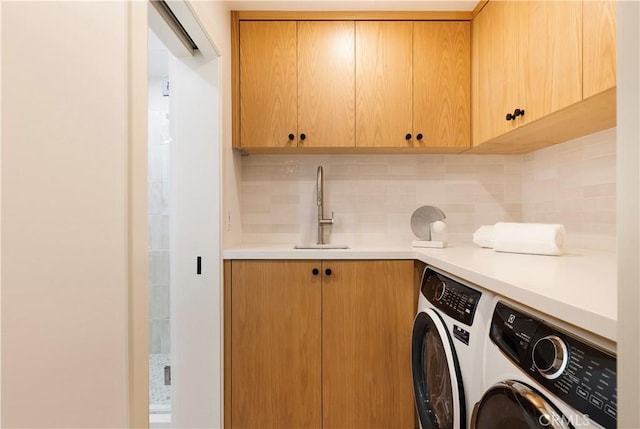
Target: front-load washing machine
<point>544,374</point>
<point>449,331</point>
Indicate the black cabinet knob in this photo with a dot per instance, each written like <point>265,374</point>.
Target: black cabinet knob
<point>328,271</point>
<point>515,114</point>
<point>303,136</point>
<point>419,136</point>
<point>408,136</point>
<point>315,271</point>
<point>291,137</point>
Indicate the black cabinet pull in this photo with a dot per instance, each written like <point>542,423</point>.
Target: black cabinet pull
<point>408,136</point>
<point>291,137</point>
<point>515,114</point>
<point>315,271</point>
<point>303,136</point>
<point>419,136</point>
<point>328,271</point>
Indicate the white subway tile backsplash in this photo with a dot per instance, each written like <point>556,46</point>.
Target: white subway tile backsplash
<point>574,184</point>
<point>373,196</point>
<point>599,170</point>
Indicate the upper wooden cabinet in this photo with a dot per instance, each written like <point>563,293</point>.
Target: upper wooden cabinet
<point>413,85</point>
<point>268,69</point>
<point>384,83</point>
<point>527,56</point>
<point>519,76</point>
<point>326,105</point>
<point>297,84</point>
<point>532,86</point>
<point>349,86</point>
<point>495,69</point>
<point>441,85</point>
<point>550,54</point>
<point>599,46</point>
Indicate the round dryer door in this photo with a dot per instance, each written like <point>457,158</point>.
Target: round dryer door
<point>437,383</point>
<point>514,405</point>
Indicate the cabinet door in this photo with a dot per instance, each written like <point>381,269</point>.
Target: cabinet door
<point>268,93</point>
<point>326,83</point>
<point>384,82</point>
<point>441,84</point>
<point>599,46</point>
<point>551,56</point>
<point>275,344</point>
<point>494,41</point>
<point>367,315</point>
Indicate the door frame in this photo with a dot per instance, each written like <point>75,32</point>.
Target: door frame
<point>137,253</point>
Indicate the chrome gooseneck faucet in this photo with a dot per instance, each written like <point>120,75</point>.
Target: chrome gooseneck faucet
<point>320,200</point>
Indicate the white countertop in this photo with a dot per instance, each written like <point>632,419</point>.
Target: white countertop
<point>579,287</point>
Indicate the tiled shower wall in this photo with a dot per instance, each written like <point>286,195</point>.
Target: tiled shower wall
<point>158,210</point>
<point>373,196</point>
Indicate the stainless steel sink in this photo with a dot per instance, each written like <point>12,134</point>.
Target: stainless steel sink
<point>320,246</point>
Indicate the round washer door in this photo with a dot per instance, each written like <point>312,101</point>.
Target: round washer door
<point>514,405</point>
<point>437,383</point>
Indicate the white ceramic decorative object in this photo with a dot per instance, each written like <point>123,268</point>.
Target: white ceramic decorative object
<point>423,220</point>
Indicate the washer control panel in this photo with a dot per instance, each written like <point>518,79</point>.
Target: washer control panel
<point>453,298</point>
<point>579,374</point>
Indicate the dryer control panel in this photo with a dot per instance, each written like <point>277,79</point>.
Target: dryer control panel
<point>453,298</point>
<point>579,374</point>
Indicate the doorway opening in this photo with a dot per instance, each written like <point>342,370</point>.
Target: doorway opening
<point>184,244</point>
<point>158,209</point>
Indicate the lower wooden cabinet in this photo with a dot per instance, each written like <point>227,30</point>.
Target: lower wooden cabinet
<point>319,344</point>
<point>275,344</point>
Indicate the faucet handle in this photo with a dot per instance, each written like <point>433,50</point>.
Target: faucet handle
<point>323,221</point>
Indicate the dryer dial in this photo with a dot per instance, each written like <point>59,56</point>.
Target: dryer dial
<point>440,290</point>
<point>550,356</point>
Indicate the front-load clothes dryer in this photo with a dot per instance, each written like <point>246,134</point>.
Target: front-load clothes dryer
<point>449,330</point>
<point>542,374</point>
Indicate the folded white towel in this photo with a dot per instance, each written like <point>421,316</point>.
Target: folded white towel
<point>483,236</point>
<point>535,238</point>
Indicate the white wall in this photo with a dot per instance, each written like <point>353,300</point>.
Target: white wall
<point>64,214</point>
<point>628,110</point>
<point>215,19</point>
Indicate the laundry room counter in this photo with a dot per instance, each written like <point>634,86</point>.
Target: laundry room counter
<point>579,287</point>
